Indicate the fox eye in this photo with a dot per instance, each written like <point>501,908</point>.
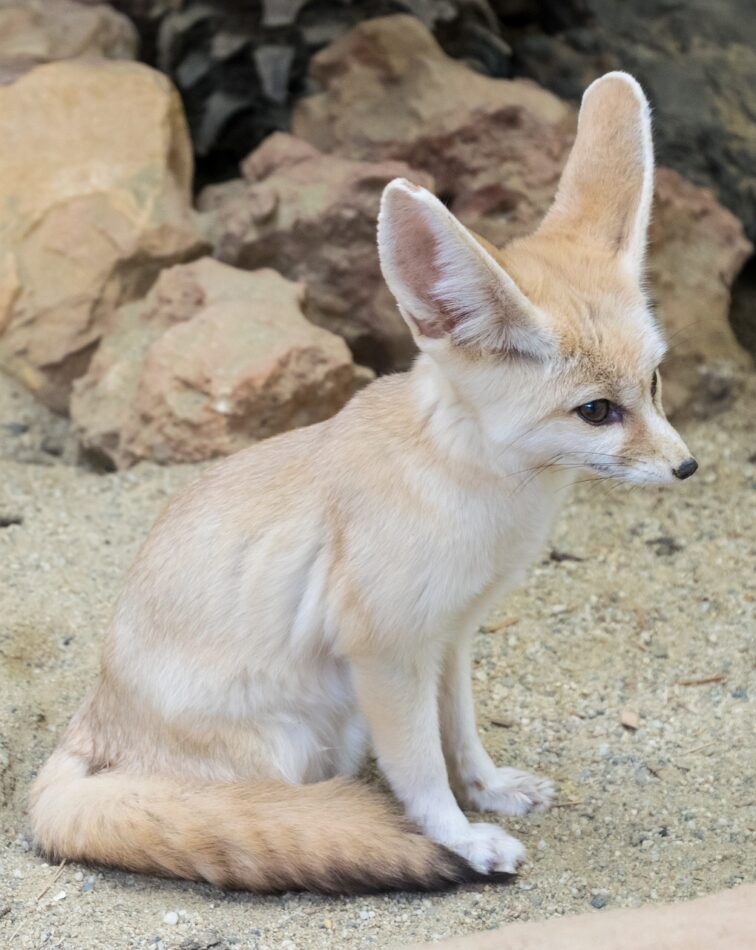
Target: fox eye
<point>596,412</point>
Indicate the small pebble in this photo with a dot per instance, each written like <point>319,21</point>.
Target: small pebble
<point>598,901</point>
<point>171,918</point>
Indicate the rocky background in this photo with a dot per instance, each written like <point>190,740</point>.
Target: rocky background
<point>177,315</point>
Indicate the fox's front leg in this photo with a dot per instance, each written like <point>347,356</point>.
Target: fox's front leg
<point>399,698</point>
<point>479,784</point>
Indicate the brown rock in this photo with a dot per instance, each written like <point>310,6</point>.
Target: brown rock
<point>312,217</point>
<point>697,249</point>
<point>391,92</point>
<point>212,360</point>
<point>42,30</point>
<point>95,191</point>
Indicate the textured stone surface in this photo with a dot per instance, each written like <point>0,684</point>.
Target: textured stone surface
<point>239,65</point>
<point>697,62</point>
<point>697,248</point>
<point>312,217</point>
<point>95,193</point>
<point>391,92</point>
<point>46,30</point>
<point>213,359</point>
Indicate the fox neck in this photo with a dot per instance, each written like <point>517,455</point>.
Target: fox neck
<point>456,429</point>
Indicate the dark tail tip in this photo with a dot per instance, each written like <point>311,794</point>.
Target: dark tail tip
<point>455,871</point>
<point>448,871</point>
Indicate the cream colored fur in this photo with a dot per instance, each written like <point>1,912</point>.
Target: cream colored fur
<point>315,596</point>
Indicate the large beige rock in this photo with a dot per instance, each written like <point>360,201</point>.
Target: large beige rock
<point>496,149</point>
<point>47,30</point>
<point>212,360</point>
<point>391,92</point>
<point>95,186</point>
<point>312,217</point>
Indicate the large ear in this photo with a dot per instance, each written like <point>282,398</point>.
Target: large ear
<point>606,188</point>
<point>446,283</point>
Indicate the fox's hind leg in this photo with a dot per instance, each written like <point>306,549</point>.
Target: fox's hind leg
<point>477,782</point>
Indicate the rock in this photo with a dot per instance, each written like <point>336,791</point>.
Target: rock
<point>171,918</point>
<point>207,940</point>
<point>38,30</point>
<point>697,249</point>
<point>212,360</point>
<point>239,65</point>
<point>313,217</point>
<point>96,200</point>
<point>391,92</point>
<point>699,72</point>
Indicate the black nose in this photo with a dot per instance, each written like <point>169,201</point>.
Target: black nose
<point>685,469</point>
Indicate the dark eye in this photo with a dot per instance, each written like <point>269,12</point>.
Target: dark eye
<point>654,383</point>
<point>595,412</point>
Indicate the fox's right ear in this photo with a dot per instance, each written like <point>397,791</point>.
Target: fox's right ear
<point>446,283</point>
<point>605,192</point>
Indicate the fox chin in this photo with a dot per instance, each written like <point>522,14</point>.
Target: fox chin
<point>314,596</point>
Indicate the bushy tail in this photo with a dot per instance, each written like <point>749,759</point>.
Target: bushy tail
<point>334,837</point>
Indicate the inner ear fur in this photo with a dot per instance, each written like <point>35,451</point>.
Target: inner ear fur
<point>446,283</point>
<point>606,189</point>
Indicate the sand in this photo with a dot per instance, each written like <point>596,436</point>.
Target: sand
<point>642,607</point>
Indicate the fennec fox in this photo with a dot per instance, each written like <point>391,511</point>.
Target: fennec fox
<point>317,593</point>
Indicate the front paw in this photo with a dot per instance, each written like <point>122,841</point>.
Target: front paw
<point>509,792</point>
<point>487,848</point>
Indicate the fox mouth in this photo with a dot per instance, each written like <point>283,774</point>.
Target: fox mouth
<point>636,473</point>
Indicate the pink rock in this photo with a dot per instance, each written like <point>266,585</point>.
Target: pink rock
<point>312,217</point>
<point>212,360</point>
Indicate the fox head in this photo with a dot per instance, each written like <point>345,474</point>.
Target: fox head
<point>550,341</point>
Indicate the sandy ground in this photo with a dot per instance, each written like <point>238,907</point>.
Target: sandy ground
<point>644,604</point>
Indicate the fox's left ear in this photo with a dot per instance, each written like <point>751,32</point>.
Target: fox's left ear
<point>606,189</point>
